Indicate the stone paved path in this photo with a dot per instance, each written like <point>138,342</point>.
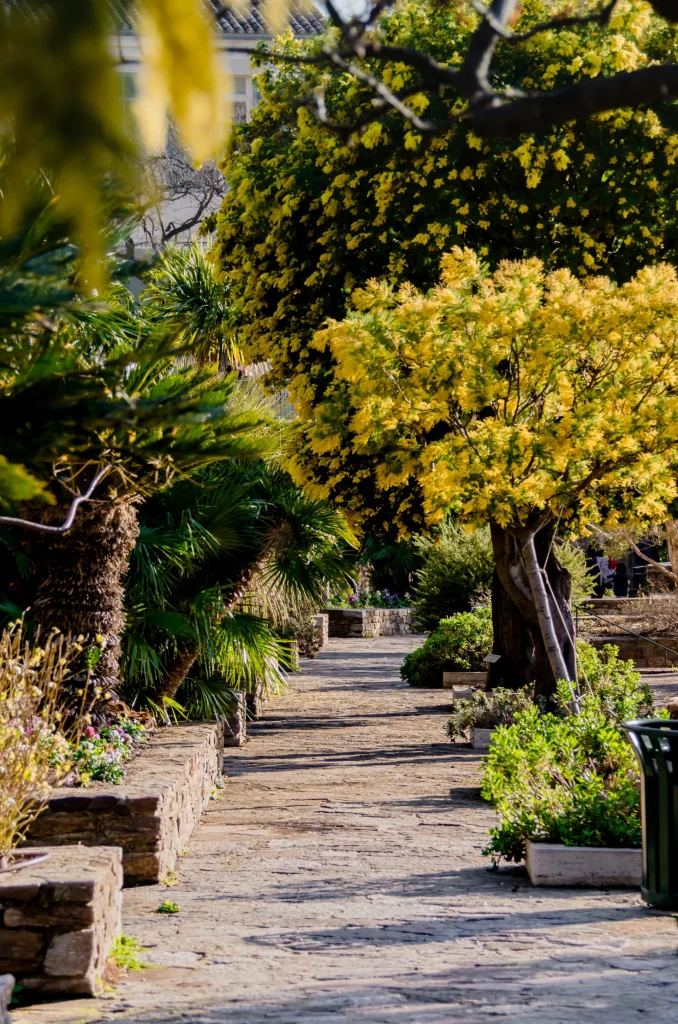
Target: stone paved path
<point>340,881</point>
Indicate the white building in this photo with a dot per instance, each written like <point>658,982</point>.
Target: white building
<point>185,196</point>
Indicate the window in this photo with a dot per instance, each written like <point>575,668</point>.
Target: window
<point>240,85</point>
<point>128,94</point>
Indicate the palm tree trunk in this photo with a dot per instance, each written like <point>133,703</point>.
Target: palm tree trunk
<point>183,662</point>
<point>80,588</point>
<point>176,673</point>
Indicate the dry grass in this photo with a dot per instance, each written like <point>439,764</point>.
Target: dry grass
<point>33,727</point>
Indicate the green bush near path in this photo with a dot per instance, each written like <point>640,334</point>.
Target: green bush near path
<point>570,778</point>
<point>457,567</point>
<point>458,645</point>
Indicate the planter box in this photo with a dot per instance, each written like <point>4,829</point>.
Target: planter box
<point>480,738</point>
<point>152,814</point>
<point>464,680</point>
<point>590,866</point>
<point>59,919</point>
<point>370,622</point>
<point>639,649</point>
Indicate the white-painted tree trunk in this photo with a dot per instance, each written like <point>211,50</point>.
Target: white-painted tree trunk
<point>543,609</point>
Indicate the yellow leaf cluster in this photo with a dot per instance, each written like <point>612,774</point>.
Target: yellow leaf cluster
<point>517,394</point>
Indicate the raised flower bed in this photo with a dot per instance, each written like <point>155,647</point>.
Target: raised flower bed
<point>152,814</point>
<point>370,622</point>
<point>597,867</point>
<point>59,918</point>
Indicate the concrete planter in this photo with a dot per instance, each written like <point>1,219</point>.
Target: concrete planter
<point>464,680</point>
<point>370,622</point>
<point>480,738</point>
<point>152,814</point>
<point>592,867</point>
<point>60,918</point>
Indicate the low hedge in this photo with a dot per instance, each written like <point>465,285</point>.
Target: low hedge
<point>458,645</point>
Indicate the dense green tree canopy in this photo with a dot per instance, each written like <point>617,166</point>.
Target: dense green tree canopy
<point>310,217</point>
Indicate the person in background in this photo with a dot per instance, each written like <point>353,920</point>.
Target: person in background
<point>620,581</point>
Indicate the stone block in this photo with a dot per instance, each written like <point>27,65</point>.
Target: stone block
<point>152,814</point>
<point>550,864</point>
<point>235,726</point>
<point>56,942</point>
<point>321,629</point>
<point>6,988</point>
<point>70,954</point>
<point>480,738</point>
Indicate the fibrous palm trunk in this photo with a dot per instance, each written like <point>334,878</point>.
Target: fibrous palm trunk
<point>80,589</point>
<point>532,618</point>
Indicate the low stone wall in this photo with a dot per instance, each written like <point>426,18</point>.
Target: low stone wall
<point>59,919</point>
<point>366,622</point>
<point>643,653</point>
<point>152,814</point>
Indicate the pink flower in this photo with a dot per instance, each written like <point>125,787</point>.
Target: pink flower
<point>90,733</point>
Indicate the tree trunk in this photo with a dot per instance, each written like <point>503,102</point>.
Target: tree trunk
<point>518,637</point>
<point>80,589</point>
<point>176,673</point>
<point>672,543</point>
<point>185,659</point>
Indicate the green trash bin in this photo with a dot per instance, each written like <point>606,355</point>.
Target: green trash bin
<point>655,741</point>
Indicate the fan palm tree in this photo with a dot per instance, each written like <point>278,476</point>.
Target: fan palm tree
<point>219,559</point>
<point>95,401</point>
<point>182,293</point>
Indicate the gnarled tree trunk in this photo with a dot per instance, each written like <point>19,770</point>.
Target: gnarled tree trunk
<point>80,588</point>
<point>518,633</point>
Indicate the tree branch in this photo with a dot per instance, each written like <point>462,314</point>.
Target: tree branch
<point>70,518</point>
<point>492,113</point>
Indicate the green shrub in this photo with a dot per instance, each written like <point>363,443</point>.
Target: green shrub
<point>573,559</point>
<point>566,778</point>
<point>458,645</point>
<point>615,683</point>
<point>487,710</point>
<point>456,569</point>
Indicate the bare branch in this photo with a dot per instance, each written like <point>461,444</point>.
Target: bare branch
<point>70,518</point>
<point>650,561</point>
<point>601,17</point>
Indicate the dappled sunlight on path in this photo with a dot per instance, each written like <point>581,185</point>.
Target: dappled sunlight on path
<point>340,880</point>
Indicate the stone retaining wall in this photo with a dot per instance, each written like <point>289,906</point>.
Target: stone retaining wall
<point>59,919</point>
<point>366,622</point>
<point>643,653</point>
<point>152,814</point>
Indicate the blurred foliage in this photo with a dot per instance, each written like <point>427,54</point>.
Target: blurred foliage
<point>61,106</point>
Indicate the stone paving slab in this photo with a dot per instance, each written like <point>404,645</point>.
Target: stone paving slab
<point>341,881</point>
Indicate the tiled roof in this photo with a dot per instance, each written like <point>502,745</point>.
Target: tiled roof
<point>241,18</point>
<point>245,19</point>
